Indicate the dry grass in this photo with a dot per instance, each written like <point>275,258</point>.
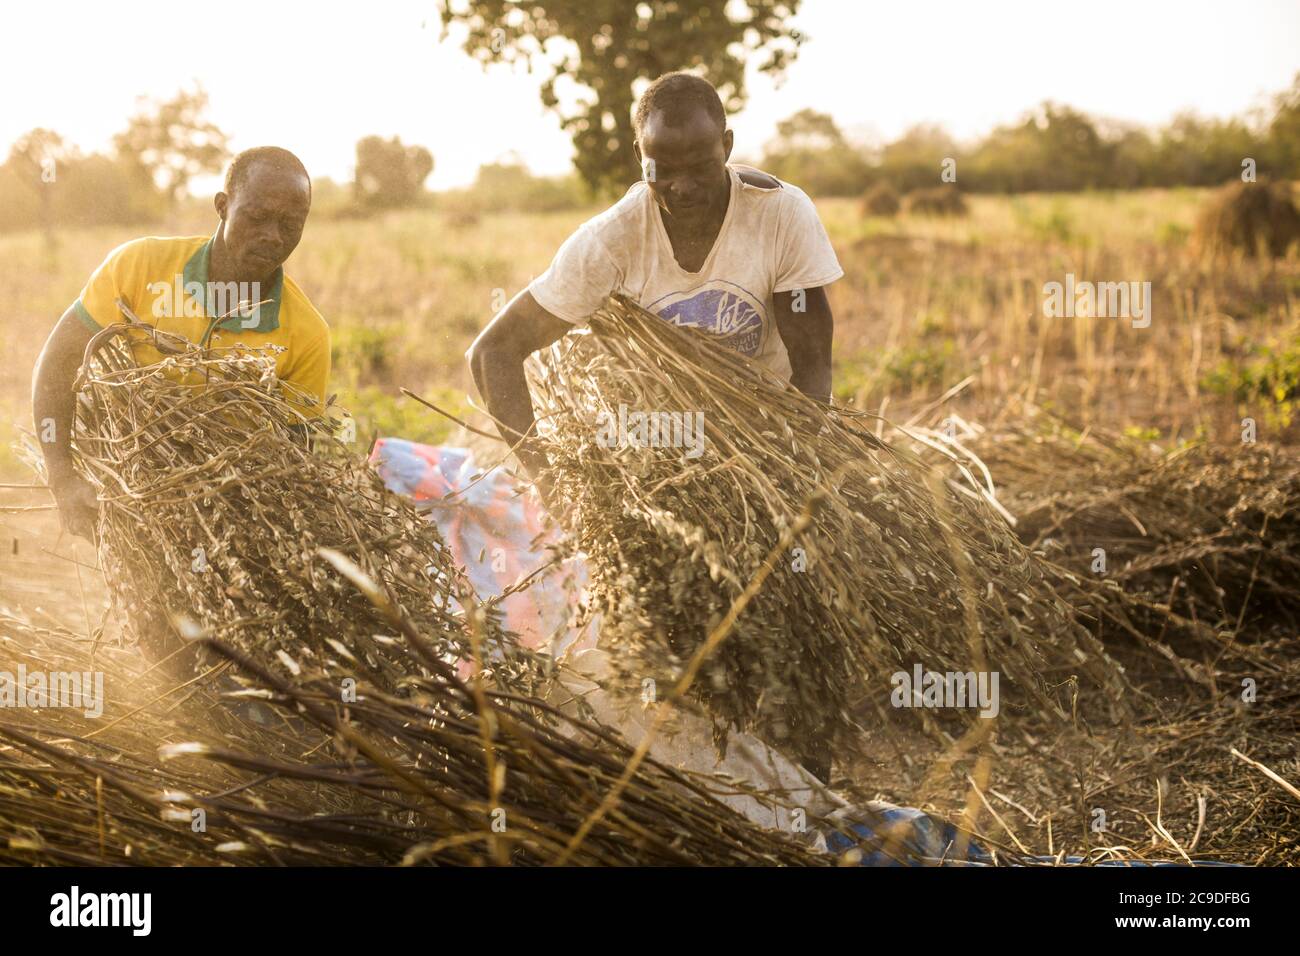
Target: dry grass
<point>217,495</point>
<point>1197,598</point>
<point>171,775</point>
<point>1209,531</point>
<point>927,304</point>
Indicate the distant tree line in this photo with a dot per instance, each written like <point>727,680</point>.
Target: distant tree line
<point>1051,148</point>
<point>48,184</point>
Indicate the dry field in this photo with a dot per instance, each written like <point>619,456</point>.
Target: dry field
<point>928,308</point>
<point>925,303</point>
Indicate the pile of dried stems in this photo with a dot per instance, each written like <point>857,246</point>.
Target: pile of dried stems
<point>1188,551</point>
<point>861,561</point>
<point>344,618</point>
<point>437,771</point>
<point>1184,562</point>
<point>216,495</point>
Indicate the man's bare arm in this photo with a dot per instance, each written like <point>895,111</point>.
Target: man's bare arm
<point>807,336</point>
<point>53,402</point>
<point>496,360</point>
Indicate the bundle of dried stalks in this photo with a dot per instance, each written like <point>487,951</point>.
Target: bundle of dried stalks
<point>1184,562</point>
<point>91,790</point>
<point>879,200</point>
<point>935,201</point>
<point>893,569</point>
<point>216,495</point>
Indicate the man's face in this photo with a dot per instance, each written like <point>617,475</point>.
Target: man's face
<point>685,165</point>
<point>263,220</point>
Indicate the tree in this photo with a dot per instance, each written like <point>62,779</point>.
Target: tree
<point>614,49</point>
<point>389,173</point>
<point>915,160</point>
<point>1135,158</point>
<point>1196,151</point>
<point>809,130</point>
<point>509,184</point>
<point>1284,132</point>
<point>172,141</point>
<point>810,151</point>
<point>34,161</point>
<point>1054,148</point>
<point>48,184</point>
<point>97,189</point>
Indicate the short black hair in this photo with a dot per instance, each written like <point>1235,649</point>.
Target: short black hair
<point>240,166</point>
<point>677,95</point>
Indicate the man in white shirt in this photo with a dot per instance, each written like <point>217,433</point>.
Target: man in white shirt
<point>726,249</point>
<point>729,250</point>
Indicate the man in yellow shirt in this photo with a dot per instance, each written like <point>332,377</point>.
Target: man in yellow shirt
<point>225,290</point>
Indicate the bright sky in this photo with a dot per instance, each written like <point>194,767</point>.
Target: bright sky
<point>316,78</point>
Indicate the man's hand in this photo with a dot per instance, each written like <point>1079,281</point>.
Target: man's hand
<point>78,504</point>
<point>537,467</point>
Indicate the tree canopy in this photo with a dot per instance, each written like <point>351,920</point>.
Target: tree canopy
<point>612,49</point>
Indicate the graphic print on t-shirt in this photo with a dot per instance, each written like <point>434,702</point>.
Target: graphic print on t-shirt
<point>720,308</point>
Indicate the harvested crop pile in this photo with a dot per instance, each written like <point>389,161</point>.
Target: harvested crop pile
<point>169,775</point>
<point>1249,218</point>
<point>1184,562</point>
<point>935,201</point>
<point>92,790</point>
<point>879,200</point>
<point>214,505</point>
<point>889,570</point>
<point>332,602</point>
<point>1189,776</point>
<point>1211,532</point>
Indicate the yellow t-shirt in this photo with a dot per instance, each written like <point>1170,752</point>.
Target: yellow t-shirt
<point>164,281</point>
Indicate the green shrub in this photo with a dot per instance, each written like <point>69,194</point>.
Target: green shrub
<point>1268,378</point>
<point>916,366</point>
<point>369,349</point>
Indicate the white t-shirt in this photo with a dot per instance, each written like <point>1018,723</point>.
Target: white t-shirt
<point>771,241</point>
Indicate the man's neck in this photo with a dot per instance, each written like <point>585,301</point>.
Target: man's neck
<point>706,228</point>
